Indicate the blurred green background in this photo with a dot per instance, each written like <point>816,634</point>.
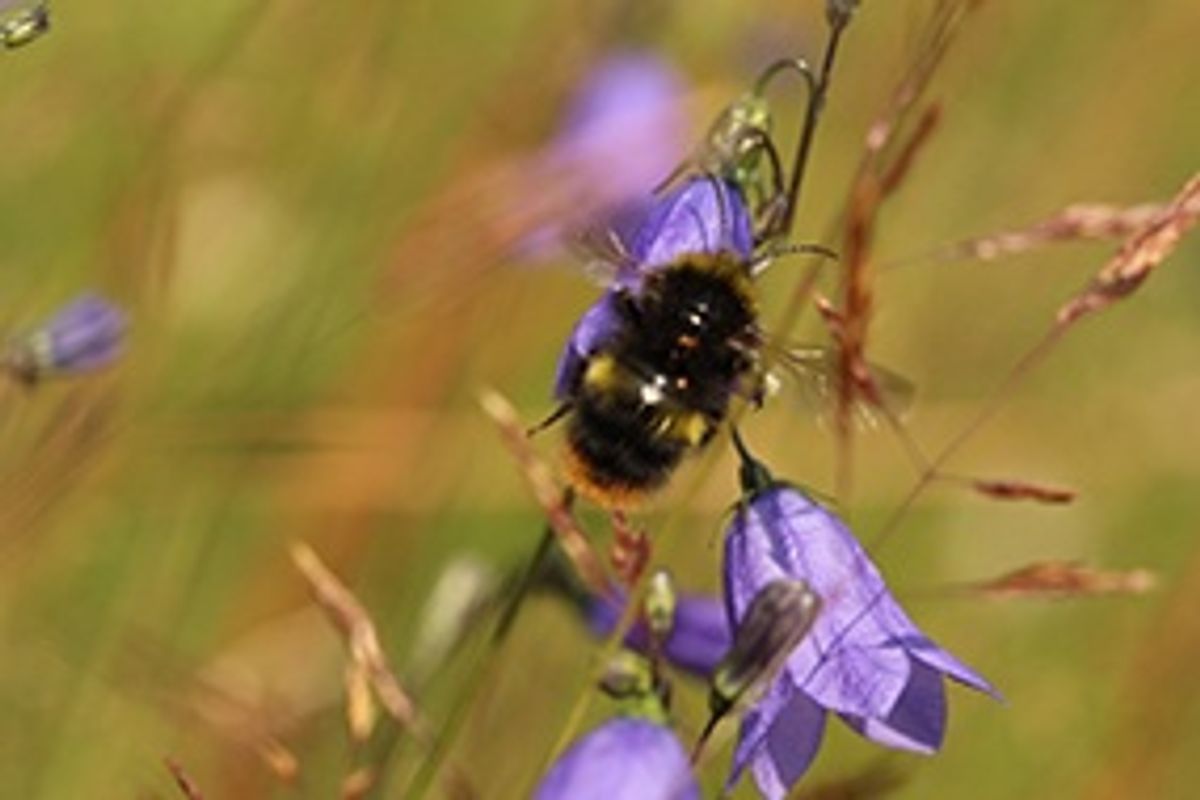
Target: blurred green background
<point>286,195</point>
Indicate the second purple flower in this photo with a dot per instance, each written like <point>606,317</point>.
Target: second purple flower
<point>863,659</point>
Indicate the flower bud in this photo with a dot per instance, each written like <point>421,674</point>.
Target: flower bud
<point>778,618</point>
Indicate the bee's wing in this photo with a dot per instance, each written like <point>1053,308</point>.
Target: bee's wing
<point>815,371</point>
<point>605,247</point>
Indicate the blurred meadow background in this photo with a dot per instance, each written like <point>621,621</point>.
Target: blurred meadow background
<point>309,211</point>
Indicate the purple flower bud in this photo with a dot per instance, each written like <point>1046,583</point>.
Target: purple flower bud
<point>699,636</point>
<point>83,336</point>
<point>623,759</point>
<point>777,619</point>
<point>863,658</point>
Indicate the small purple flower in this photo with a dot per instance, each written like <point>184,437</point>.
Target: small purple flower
<point>83,336</point>
<point>863,659</point>
<point>703,215</point>
<point>623,759</point>
<point>698,640</point>
<point>623,132</point>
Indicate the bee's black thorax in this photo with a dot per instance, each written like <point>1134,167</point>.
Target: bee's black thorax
<point>664,383</point>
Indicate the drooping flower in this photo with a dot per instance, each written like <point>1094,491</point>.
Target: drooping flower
<point>699,637</point>
<point>863,659</point>
<point>625,758</point>
<point>703,215</point>
<point>83,336</point>
<point>623,132</point>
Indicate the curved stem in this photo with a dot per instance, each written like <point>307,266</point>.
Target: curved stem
<point>812,115</point>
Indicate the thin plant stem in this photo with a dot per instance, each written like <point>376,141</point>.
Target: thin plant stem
<point>481,669</point>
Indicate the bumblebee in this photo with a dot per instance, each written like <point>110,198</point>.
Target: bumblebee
<point>649,372</point>
<point>651,369</point>
<point>662,385</point>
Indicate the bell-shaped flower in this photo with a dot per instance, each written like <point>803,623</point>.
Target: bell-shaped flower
<point>83,336</point>
<point>863,658</point>
<point>626,758</point>
<point>699,635</point>
<point>623,132</point>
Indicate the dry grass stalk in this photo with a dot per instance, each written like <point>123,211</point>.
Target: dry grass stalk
<point>630,552</point>
<point>878,178</point>
<point>1064,579</point>
<point>1077,222</point>
<point>362,641</point>
<point>196,698</point>
<point>358,630</point>
<point>185,783</point>
<point>900,166</point>
<point>1138,257</point>
<point>1145,249</point>
<point>1022,490</point>
<point>887,160</point>
<point>358,784</point>
<point>547,493</point>
<point>361,710</point>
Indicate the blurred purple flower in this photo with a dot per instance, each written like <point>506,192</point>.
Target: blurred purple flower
<point>622,134</point>
<point>623,759</point>
<point>863,659</point>
<point>83,336</point>
<point>701,215</point>
<point>698,640</point>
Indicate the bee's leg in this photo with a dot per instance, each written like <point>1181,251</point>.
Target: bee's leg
<point>554,416</point>
<point>758,387</point>
<point>782,249</point>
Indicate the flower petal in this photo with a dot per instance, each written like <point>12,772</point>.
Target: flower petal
<point>918,722</point>
<point>598,325</point>
<point>790,747</point>
<point>862,681</point>
<point>699,637</point>
<point>703,215</point>
<point>756,724</point>
<point>623,759</point>
<point>925,650</point>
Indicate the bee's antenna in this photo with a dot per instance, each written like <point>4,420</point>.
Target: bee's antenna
<point>554,416</point>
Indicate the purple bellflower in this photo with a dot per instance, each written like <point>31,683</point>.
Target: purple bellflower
<point>85,335</point>
<point>698,640</point>
<point>863,659</point>
<point>702,215</point>
<point>622,133</point>
<point>625,758</point>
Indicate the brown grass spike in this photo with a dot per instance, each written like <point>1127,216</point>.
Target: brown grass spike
<point>185,783</point>
<point>547,493</point>
<point>1138,257</point>
<point>1065,579</point>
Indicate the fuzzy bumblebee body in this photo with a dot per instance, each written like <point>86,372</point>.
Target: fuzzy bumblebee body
<point>683,345</point>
